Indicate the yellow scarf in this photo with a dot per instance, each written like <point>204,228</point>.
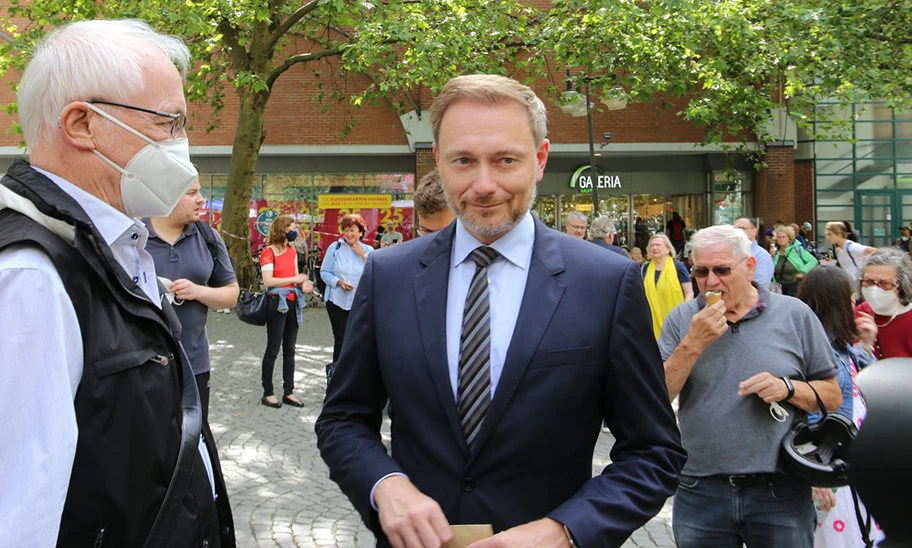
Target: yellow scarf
<point>664,296</point>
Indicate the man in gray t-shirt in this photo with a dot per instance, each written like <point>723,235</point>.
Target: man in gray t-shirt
<point>730,361</point>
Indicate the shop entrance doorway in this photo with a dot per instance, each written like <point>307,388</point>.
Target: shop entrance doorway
<point>636,216</point>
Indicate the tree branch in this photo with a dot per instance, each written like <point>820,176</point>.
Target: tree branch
<point>239,58</point>
<point>292,20</point>
<point>300,58</point>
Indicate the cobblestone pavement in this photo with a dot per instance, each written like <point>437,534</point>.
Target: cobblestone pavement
<point>279,486</point>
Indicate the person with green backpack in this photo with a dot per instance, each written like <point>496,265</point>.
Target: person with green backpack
<point>791,261</point>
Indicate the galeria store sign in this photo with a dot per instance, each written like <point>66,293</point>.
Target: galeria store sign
<point>582,180</point>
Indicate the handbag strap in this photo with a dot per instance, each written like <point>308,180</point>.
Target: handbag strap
<point>191,425</point>
<point>817,396</point>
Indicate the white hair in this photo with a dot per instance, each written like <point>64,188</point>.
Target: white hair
<point>722,234</point>
<point>578,216</point>
<point>88,60</point>
<point>601,228</point>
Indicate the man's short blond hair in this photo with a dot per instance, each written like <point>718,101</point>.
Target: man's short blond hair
<point>491,89</point>
<point>429,198</point>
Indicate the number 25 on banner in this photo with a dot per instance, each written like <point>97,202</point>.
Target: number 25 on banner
<point>395,216</point>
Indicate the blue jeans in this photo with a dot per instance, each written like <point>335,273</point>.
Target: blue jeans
<point>711,513</point>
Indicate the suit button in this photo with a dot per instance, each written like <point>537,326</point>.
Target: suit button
<point>468,485</point>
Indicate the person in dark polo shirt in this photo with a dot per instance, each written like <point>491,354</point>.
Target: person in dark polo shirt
<point>195,280</point>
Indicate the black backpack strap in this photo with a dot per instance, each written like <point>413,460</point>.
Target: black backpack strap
<point>849,253</point>
<point>211,243</point>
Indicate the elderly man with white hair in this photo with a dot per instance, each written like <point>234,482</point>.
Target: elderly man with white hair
<point>103,442</point>
<point>576,224</point>
<point>602,234</point>
<point>743,367</point>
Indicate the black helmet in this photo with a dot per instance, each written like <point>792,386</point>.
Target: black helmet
<point>818,453</point>
<point>882,453</point>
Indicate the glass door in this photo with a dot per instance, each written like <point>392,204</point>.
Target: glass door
<point>545,208</point>
<point>651,212</point>
<point>875,211</point>
<point>617,208</point>
<point>905,214</point>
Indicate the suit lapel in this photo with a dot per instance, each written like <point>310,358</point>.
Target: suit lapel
<point>542,294</point>
<point>431,302</point>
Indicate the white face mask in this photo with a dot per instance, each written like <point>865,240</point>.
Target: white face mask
<point>884,303</point>
<point>156,178</point>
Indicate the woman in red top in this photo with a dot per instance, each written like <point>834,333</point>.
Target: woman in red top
<point>886,283</point>
<point>279,265</point>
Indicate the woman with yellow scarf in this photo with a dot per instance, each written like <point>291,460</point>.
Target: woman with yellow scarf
<point>666,281</point>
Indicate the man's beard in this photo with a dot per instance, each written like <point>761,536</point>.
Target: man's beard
<point>477,225</point>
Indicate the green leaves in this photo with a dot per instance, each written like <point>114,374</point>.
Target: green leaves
<point>726,64</point>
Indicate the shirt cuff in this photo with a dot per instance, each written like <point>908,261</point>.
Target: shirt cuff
<point>374,488</point>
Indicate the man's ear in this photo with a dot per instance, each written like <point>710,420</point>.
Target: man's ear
<point>77,125</point>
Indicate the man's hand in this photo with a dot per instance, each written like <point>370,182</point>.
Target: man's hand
<point>766,386</point>
<point>185,290</point>
<point>410,518</point>
<point>544,533</point>
<point>867,330</point>
<point>708,325</point>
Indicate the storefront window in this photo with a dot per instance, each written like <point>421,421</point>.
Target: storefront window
<point>729,196</point>
<point>866,180</point>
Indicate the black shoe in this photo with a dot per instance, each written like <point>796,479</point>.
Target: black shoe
<point>268,403</point>
<point>291,402</point>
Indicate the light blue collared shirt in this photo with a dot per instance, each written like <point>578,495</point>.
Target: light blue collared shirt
<point>507,277</point>
<point>342,263</point>
<point>763,275</point>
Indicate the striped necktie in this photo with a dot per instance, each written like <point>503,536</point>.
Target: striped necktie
<point>474,394</point>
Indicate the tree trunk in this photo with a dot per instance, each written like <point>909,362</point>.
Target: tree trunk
<point>235,216</point>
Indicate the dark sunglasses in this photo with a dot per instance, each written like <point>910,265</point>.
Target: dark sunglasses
<point>719,271</point>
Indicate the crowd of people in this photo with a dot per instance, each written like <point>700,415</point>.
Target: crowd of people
<point>107,275</point>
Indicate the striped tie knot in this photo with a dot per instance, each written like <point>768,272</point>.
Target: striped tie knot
<point>484,256</point>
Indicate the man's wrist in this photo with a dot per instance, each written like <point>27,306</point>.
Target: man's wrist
<point>570,538</point>
<point>790,387</point>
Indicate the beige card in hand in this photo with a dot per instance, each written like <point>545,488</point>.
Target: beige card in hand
<point>464,535</point>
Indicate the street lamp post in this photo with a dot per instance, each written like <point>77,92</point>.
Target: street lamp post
<point>592,172</point>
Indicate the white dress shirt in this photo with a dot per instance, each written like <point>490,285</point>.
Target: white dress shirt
<point>41,366</point>
<point>507,277</point>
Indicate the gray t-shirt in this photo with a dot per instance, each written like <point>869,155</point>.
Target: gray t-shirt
<point>190,258</point>
<point>723,432</point>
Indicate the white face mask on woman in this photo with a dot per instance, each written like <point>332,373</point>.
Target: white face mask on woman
<point>157,176</point>
<point>884,303</point>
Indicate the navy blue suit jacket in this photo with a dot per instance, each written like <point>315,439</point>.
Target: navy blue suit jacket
<point>582,351</point>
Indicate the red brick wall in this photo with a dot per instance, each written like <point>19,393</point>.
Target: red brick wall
<point>774,192</point>
<point>424,162</point>
<point>805,203</point>
<point>294,117</point>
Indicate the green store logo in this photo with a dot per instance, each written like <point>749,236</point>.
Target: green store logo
<point>582,180</point>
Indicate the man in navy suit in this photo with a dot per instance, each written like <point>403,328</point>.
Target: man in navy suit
<point>512,342</point>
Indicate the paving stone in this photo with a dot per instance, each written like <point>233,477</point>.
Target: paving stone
<point>278,484</point>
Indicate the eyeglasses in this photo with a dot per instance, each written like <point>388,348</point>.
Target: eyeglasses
<point>886,285</point>
<point>178,121</point>
<point>720,271</point>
